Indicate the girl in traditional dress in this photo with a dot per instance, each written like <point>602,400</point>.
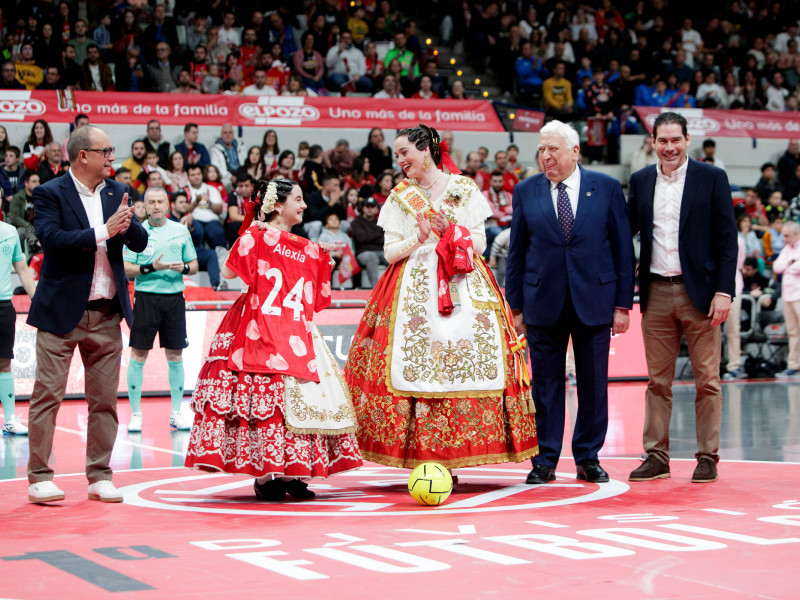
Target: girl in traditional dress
<point>435,368</point>
<point>270,400</point>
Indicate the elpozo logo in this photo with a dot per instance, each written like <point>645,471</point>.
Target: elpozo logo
<point>696,123</point>
<point>17,105</point>
<point>279,110</point>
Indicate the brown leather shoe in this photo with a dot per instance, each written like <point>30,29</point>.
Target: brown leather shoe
<point>650,469</point>
<point>706,470</point>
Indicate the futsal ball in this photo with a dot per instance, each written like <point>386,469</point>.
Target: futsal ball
<point>430,484</point>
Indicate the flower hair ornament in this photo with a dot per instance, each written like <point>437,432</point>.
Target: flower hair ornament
<point>268,193</point>
<point>269,198</point>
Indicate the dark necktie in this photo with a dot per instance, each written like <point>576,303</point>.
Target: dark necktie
<point>565,216</point>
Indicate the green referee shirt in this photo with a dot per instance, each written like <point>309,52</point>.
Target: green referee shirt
<point>10,252</point>
<point>174,241</point>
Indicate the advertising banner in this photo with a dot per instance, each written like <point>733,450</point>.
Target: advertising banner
<point>528,120</point>
<point>337,326</point>
<point>730,123</point>
<point>274,111</point>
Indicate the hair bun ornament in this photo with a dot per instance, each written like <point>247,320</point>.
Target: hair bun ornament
<point>432,133</point>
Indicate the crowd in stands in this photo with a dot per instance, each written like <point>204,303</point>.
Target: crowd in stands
<point>596,59</point>
<point>290,48</point>
<point>574,60</point>
<point>344,187</point>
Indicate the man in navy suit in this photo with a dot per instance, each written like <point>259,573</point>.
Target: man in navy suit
<point>82,220</point>
<point>687,270</point>
<point>569,274</point>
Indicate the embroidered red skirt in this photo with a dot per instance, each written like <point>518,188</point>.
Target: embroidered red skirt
<point>403,431</point>
<point>239,425</point>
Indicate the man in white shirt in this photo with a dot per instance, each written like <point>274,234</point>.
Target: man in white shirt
<point>227,154</point>
<point>206,207</point>
<point>691,41</point>
<point>97,75</point>
<point>687,266</point>
<point>776,94</point>
<point>228,34</point>
<point>346,64</point>
<point>82,219</point>
<point>781,42</point>
<point>390,88</point>
<point>711,94</point>
<point>259,86</point>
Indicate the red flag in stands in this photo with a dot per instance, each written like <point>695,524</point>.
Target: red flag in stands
<point>348,266</point>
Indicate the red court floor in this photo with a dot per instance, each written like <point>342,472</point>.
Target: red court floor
<point>186,534</point>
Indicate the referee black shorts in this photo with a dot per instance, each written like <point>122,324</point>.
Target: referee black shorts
<point>8,322</point>
<point>164,314</point>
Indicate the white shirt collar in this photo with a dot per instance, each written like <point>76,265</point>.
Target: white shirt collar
<point>82,189</point>
<point>573,182</point>
<point>679,173</point>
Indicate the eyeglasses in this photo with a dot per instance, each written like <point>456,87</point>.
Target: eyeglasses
<point>107,152</point>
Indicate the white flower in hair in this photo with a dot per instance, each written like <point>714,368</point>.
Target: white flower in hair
<point>270,198</point>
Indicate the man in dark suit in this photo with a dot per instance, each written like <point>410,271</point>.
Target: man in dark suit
<point>82,220</point>
<point>569,274</point>
<point>684,211</point>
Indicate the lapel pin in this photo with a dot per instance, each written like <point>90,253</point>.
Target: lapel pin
<point>588,193</point>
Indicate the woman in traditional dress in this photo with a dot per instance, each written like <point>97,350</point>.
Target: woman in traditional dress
<point>435,369</point>
<point>270,400</point>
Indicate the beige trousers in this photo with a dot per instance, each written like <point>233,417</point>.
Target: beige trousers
<point>99,341</point>
<point>669,316</point>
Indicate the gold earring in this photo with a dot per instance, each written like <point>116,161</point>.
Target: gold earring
<point>427,163</point>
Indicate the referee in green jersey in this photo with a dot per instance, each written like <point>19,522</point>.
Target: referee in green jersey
<point>10,256</point>
<point>159,306</point>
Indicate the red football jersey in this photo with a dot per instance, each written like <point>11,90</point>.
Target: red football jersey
<point>289,279</point>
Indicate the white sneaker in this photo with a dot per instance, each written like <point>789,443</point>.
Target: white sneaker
<point>135,425</point>
<point>180,421</point>
<point>104,491</point>
<point>12,426</point>
<point>44,491</point>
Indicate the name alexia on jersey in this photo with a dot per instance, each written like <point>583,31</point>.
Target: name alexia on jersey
<point>298,255</point>
<point>288,280</point>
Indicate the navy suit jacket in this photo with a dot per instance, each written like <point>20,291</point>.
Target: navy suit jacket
<point>595,264</point>
<point>707,232</point>
<point>69,245</point>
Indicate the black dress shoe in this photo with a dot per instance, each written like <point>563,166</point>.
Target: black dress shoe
<point>541,474</point>
<point>592,472</point>
<point>270,491</point>
<point>298,489</point>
